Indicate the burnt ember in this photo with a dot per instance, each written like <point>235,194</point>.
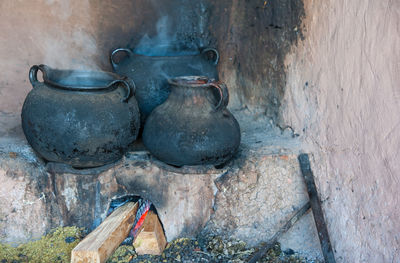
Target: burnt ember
<point>144,207</point>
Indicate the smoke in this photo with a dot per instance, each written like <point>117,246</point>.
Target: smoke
<point>180,32</point>
<point>77,50</point>
<point>72,46</point>
<point>165,42</point>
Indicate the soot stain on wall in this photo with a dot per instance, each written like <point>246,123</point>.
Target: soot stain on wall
<point>252,36</point>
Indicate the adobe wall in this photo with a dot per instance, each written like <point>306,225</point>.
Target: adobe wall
<point>342,96</point>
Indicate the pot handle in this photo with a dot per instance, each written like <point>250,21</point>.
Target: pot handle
<point>131,84</point>
<point>126,50</point>
<point>223,94</point>
<point>33,74</point>
<point>213,50</point>
<point>126,85</point>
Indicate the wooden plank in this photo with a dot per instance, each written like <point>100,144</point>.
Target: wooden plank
<point>151,238</point>
<point>316,208</point>
<point>102,242</point>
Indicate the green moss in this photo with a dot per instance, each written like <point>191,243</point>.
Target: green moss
<point>57,246</point>
<point>276,255</point>
<point>54,247</point>
<point>123,254</point>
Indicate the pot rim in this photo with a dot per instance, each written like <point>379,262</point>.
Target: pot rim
<point>191,81</point>
<point>187,54</point>
<point>79,80</point>
<point>166,56</point>
<point>171,48</point>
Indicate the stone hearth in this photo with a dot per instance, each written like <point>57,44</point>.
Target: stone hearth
<point>250,198</point>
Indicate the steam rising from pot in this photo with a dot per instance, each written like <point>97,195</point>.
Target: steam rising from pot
<point>74,48</point>
<point>181,33</point>
<point>59,54</point>
<point>165,43</point>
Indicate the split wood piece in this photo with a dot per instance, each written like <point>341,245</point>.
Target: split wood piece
<point>102,242</point>
<point>270,244</point>
<point>316,208</point>
<point>151,239</point>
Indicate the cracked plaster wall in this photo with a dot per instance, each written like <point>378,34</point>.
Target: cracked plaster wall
<point>343,97</point>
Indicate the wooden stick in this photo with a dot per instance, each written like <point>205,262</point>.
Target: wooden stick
<point>264,249</point>
<point>151,239</point>
<point>316,208</point>
<point>102,242</point>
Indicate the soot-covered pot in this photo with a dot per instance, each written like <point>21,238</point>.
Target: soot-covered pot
<point>193,126</point>
<point>150,72</point>
<point>82,118</point>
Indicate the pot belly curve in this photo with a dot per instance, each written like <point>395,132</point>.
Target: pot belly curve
<point>83,130</point>
<point>179,139</point>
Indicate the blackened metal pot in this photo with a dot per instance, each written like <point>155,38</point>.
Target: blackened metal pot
<point>193,126</point>
<point>81,118</point>
<point>150,73</point>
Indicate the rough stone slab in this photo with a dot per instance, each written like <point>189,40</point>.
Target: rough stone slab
<point>255,200</point>
<point>263,188</point>
<point>23,208</point>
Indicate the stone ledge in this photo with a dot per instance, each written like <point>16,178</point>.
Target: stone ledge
<point>249,199</point>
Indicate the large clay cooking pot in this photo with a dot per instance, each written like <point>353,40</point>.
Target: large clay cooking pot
<point>82,118</point>
<point>150,73</point>
<point>193,126</point>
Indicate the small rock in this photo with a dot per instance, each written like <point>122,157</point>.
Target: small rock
<point>69,240</point>
<point>289,251</point>
<point>12,154</point>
